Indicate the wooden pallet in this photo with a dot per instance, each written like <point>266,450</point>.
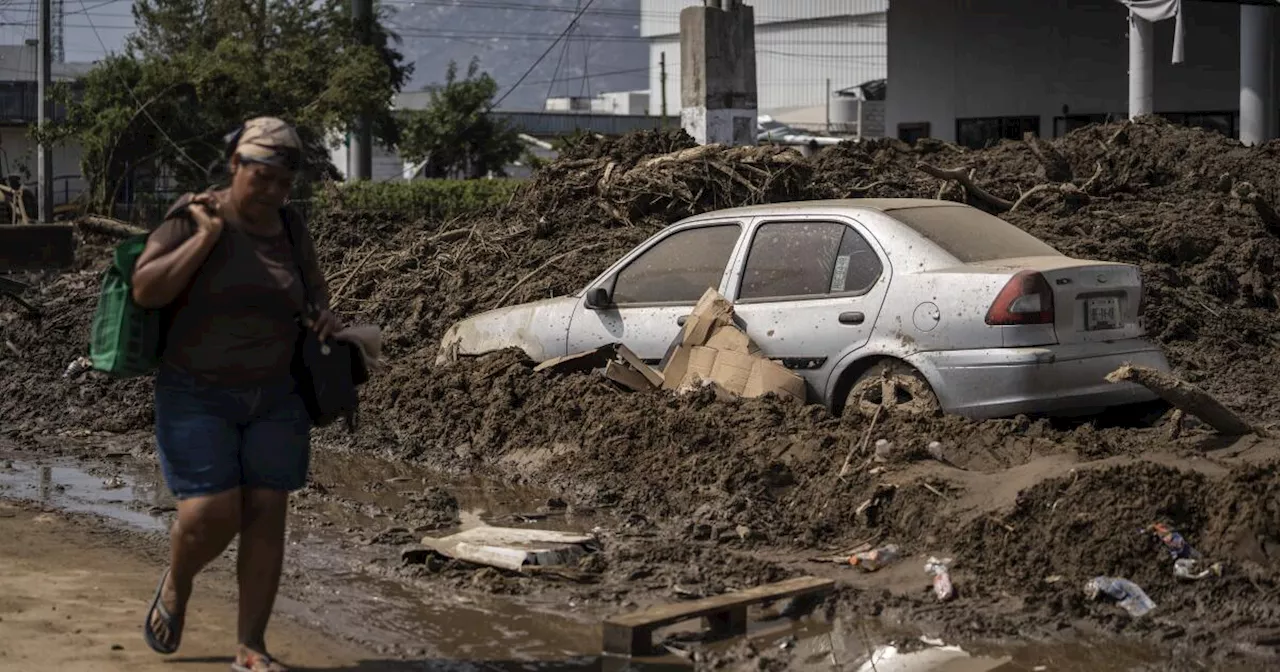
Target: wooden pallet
<point>632,634</point>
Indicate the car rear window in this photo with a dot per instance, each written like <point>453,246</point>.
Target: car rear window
<point>971,235</point>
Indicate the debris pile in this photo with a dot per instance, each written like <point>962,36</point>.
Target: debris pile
<point>1022,506</point>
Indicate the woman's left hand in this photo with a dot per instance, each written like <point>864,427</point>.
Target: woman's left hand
<point>326,324</point>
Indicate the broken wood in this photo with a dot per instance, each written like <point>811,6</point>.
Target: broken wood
<point>1097,172</point>
<point>1185,396</point>
<point>1033,190</point>
<point>110,227</point>
<point>632,634</point>
<point>866,440</point>
<point>961,177</point>
<point>503,301</point>
<point>1055,165</point>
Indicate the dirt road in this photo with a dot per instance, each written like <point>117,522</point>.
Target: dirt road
<point>72,597</point>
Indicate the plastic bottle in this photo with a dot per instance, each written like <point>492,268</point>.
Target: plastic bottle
<point>870,561</point>
<point>1126,593</point>
<point>940,569</point>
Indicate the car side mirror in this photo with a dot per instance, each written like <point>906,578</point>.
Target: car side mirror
<point>597,298</point>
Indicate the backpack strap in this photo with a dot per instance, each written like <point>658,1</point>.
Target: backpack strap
<point>290,222</point>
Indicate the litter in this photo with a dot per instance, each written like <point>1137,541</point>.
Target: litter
<point>514,549</point>
<point>1126,593</point>
<point>942,586</point>
<point>1190,569</point>
<point>870,561</point>
<point>1172,540</point>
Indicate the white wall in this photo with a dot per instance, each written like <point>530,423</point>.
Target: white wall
<point>19,150</point>
<point>1012,58</point>
<point>387,164</point>
<point>793,61</point>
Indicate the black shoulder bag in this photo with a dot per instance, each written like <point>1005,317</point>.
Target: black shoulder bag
<point>327,373</point>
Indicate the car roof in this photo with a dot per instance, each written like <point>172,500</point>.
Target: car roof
<point>828,206</point>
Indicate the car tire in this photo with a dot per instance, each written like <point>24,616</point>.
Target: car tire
<point>906,390</point>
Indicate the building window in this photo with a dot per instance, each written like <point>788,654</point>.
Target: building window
<point>1225,123</point>
<point>1071,122</point>
<point>980,132</point>
<point>911,132</point>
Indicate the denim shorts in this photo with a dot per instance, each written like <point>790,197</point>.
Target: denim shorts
<point>213,439</point>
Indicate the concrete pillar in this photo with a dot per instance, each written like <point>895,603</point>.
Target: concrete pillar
<point>1257,105</point>
<point>1142,66</point>
<point>718,73</point>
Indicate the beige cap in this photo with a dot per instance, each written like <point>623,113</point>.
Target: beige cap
<point>271,141</point>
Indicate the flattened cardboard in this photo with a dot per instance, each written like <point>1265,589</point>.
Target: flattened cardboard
<point>627,377</point>
<point>732,370</point>
<point>732,339</point>
<point>654,377</point>
<point>769,376</point>
<point>702,360</point>
<point>711,312</point>
<point>580,362</point>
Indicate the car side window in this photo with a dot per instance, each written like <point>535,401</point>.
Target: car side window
<point>679,268</point>
<point>808,259</point>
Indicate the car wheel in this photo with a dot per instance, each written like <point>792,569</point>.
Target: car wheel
<point>894,386</point>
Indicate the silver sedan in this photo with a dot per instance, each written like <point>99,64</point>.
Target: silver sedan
<point>907,303</point>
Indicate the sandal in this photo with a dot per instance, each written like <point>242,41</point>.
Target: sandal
<point>257,662</point>
<point>173,624</point>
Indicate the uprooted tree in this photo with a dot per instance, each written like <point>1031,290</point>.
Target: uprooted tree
<point>196,70</point>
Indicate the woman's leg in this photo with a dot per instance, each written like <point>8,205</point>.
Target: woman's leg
<point>277,450</point>
<point>199,447</point>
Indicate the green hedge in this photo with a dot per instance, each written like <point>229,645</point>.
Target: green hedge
<point>430,199</point>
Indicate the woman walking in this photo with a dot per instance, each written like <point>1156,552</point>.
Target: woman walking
<point>232,431</point>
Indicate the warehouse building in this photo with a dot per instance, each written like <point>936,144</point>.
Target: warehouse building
<point>976,71</point>
<point>807,51</point>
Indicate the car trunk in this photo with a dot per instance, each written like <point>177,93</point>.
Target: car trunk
<point>1092,300</point>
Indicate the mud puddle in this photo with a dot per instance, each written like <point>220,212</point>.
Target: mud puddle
<point>325,574</point>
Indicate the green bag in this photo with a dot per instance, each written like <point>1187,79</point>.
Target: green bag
<point>126,337</point>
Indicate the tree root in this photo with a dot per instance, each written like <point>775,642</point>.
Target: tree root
<point>960,176</point>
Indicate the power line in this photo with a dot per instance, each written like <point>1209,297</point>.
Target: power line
<point>143,108</point>
<point>539,60</point>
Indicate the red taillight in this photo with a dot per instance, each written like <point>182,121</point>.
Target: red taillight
<point>1025,299</point>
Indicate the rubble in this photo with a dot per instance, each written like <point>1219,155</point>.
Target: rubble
<point>1013,501</point>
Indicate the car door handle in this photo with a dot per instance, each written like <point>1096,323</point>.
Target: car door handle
<point>852,318</point>
<point>681,320</point>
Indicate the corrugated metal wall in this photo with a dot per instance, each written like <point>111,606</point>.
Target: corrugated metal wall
<point>662,17</point>
<point>793,60</point>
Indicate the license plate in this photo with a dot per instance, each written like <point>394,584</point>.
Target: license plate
<point>1102,313</point>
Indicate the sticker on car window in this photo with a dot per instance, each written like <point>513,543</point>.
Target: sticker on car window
<point>841,273</point>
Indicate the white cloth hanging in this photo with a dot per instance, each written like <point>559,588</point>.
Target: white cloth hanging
<point>1160,10</point>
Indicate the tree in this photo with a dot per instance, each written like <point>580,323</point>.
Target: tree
<point>456,135</point>
<point>196,69</point>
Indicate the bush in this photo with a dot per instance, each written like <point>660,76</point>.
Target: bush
<point>419,199</point>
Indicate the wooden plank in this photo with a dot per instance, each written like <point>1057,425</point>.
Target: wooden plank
<point>624,640</point>
<point>667,614</point>
<point>654,377</point>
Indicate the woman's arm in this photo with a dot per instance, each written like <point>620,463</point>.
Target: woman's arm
<point>173,254</point>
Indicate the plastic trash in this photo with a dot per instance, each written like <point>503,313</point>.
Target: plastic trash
<point>870,561</point>
<point>1173,541</point>
<point>1126,593</point>
<point>1194,570</point>
<point>942,586</point>
<point>77,367</point>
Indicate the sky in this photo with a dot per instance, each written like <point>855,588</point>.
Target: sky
<point>603,53</point>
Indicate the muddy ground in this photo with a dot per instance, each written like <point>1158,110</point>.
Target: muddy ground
<point>704,496</point>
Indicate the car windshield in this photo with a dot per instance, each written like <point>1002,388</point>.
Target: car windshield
<point>971,235</point>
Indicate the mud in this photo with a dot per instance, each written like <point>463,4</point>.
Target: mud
<point>698,496</point>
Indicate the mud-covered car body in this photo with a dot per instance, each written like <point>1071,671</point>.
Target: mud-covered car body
<point>995,321</point>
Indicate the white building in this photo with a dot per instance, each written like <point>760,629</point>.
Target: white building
<point>980,70</point>
<point>18,79</point>
<point>806,50</point>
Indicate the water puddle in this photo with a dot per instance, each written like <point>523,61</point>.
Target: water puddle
<point>328,578</point>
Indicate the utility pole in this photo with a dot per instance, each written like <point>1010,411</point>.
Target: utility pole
<point>44,154</point>
<point>360,156</point>
<point>662,80</point>
<point>718,73</point>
